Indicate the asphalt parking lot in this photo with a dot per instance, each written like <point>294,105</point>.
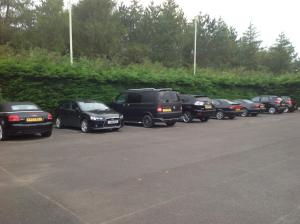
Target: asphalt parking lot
<point>244,171</point>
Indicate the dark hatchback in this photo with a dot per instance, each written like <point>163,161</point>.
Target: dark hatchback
<point>87,115</point>
<point>148,106</point>
<point>20,118</point>
<point>273,104</point>
<point>250,108</point>
<point>291,104</point>
<point>226,108</point>
<point>196,107</point>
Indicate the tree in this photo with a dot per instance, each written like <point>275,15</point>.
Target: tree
<point>97,29</point>
<point>249,47</point>
<point>281,56</point>
<point>51,27</point>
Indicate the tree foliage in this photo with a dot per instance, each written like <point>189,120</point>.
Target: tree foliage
<point>129,34</point>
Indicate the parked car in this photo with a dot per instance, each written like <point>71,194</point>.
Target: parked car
<point>291,104</point>
<point>20,118</point>
<point>226,108</point>
<point>148,106</point>
<point>273,104</point>
<point>250,108</point>
<point>88,115</point>
<point>196,107</point>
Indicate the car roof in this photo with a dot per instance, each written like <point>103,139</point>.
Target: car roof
<point>6,106</point>
<point>148,90</point>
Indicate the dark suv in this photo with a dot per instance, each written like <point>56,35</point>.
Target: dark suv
<point>148,106</point>
<point>273,104</point>
<point>196,106</point>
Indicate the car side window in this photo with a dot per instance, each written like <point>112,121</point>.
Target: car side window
<point>256,99</point>
<point>65,106</point>
<point>134,98</point>
<point>74,106</point>
<point>148,97</point>
<point>121,98</point>
<point>265,99</point>
<point>215,102</point>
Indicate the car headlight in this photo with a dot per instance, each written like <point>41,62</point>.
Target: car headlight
<point>94,118</point>
<point>199,103</point>
<point>121,116</point>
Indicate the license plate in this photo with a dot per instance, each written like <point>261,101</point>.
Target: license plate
<point>167,110</point>
<point>113,122</point>
<point>237,109</point>
<point>208,107</point>
<point>34,119</point>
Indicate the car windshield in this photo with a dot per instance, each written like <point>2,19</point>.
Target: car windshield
<point>229,102</point>
<point>92,106</point>
<point>22,107</point>
<point>248,101</point>
<point>168,96</point>
<point>203,99</point>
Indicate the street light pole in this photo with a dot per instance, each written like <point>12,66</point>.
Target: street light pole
<point>195,47</point>
<point>71,32</point>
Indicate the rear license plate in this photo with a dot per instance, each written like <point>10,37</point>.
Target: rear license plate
<point>113,122</point>
<point>208,107</point>
<point>34,119</point>
<point>237,109</point>
<point>167,110</point>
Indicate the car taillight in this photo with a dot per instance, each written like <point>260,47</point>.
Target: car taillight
<point>289,102</point>
<point>159,109</point>
<point>50,117</point>
<point>13,118</point>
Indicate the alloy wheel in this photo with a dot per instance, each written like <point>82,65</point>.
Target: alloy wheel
<point>245,113</point>
<point>187,117</point>
<point>220,115</point>
<point>1,133</point>
<point>147,121</point>
<point>272,110</point>
<point>84,126</point>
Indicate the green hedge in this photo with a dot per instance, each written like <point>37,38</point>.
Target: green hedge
<point>47,79</point>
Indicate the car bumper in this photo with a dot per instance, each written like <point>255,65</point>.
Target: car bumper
<point>103,125</point>
<point>233,113</point>
<point>203,113</point>
<point>19,129</point>
<point>164,117</point>
<point>254,111</point>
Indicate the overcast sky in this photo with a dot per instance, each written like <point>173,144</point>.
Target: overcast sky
<point>270,17</point>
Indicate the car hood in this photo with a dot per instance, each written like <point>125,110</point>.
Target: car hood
<point>105,114</point>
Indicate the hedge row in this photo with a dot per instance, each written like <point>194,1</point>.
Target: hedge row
<point>47,79</point>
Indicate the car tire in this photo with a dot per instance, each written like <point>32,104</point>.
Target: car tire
<point>204,119</point>
<point>170,123</point>
<point>220,115</point>
<point>272,110</point>
<point>187,117</point>
<point>245,112</point>
<point>147,121</point>
<point>115,129</point>
<point>3,135</point>
<point>58,123</point>
<point>254,115</point>
<point>84,126</point>
<point>46,134</point>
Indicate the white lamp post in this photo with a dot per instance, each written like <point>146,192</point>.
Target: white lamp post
<point>71,32</point>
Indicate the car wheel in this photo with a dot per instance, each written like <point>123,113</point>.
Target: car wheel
<point>220,115</point>
<point>272,110</point>
<point>170,123</point>
<point>84,126</point>
<point>286,110</point>
<point>254,115</point>
<point>3,135</point>
<point>115,129</point>
<point>245,113</point>
<point>58,123</point>
<point>147,121</point>
<point>204,119</point>
<point>231,117</point>
<point>187,117</point>
<point>47,134</point>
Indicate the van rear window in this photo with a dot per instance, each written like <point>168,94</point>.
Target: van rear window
<point>168,96</point>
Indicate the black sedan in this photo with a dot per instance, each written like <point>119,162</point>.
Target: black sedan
<point>19,118</point>
<point>87,115</point>
<point>196,107</point>
<point>226,108</point>
<point>250,108</point>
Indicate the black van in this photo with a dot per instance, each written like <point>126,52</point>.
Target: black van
<point>148,106</point>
